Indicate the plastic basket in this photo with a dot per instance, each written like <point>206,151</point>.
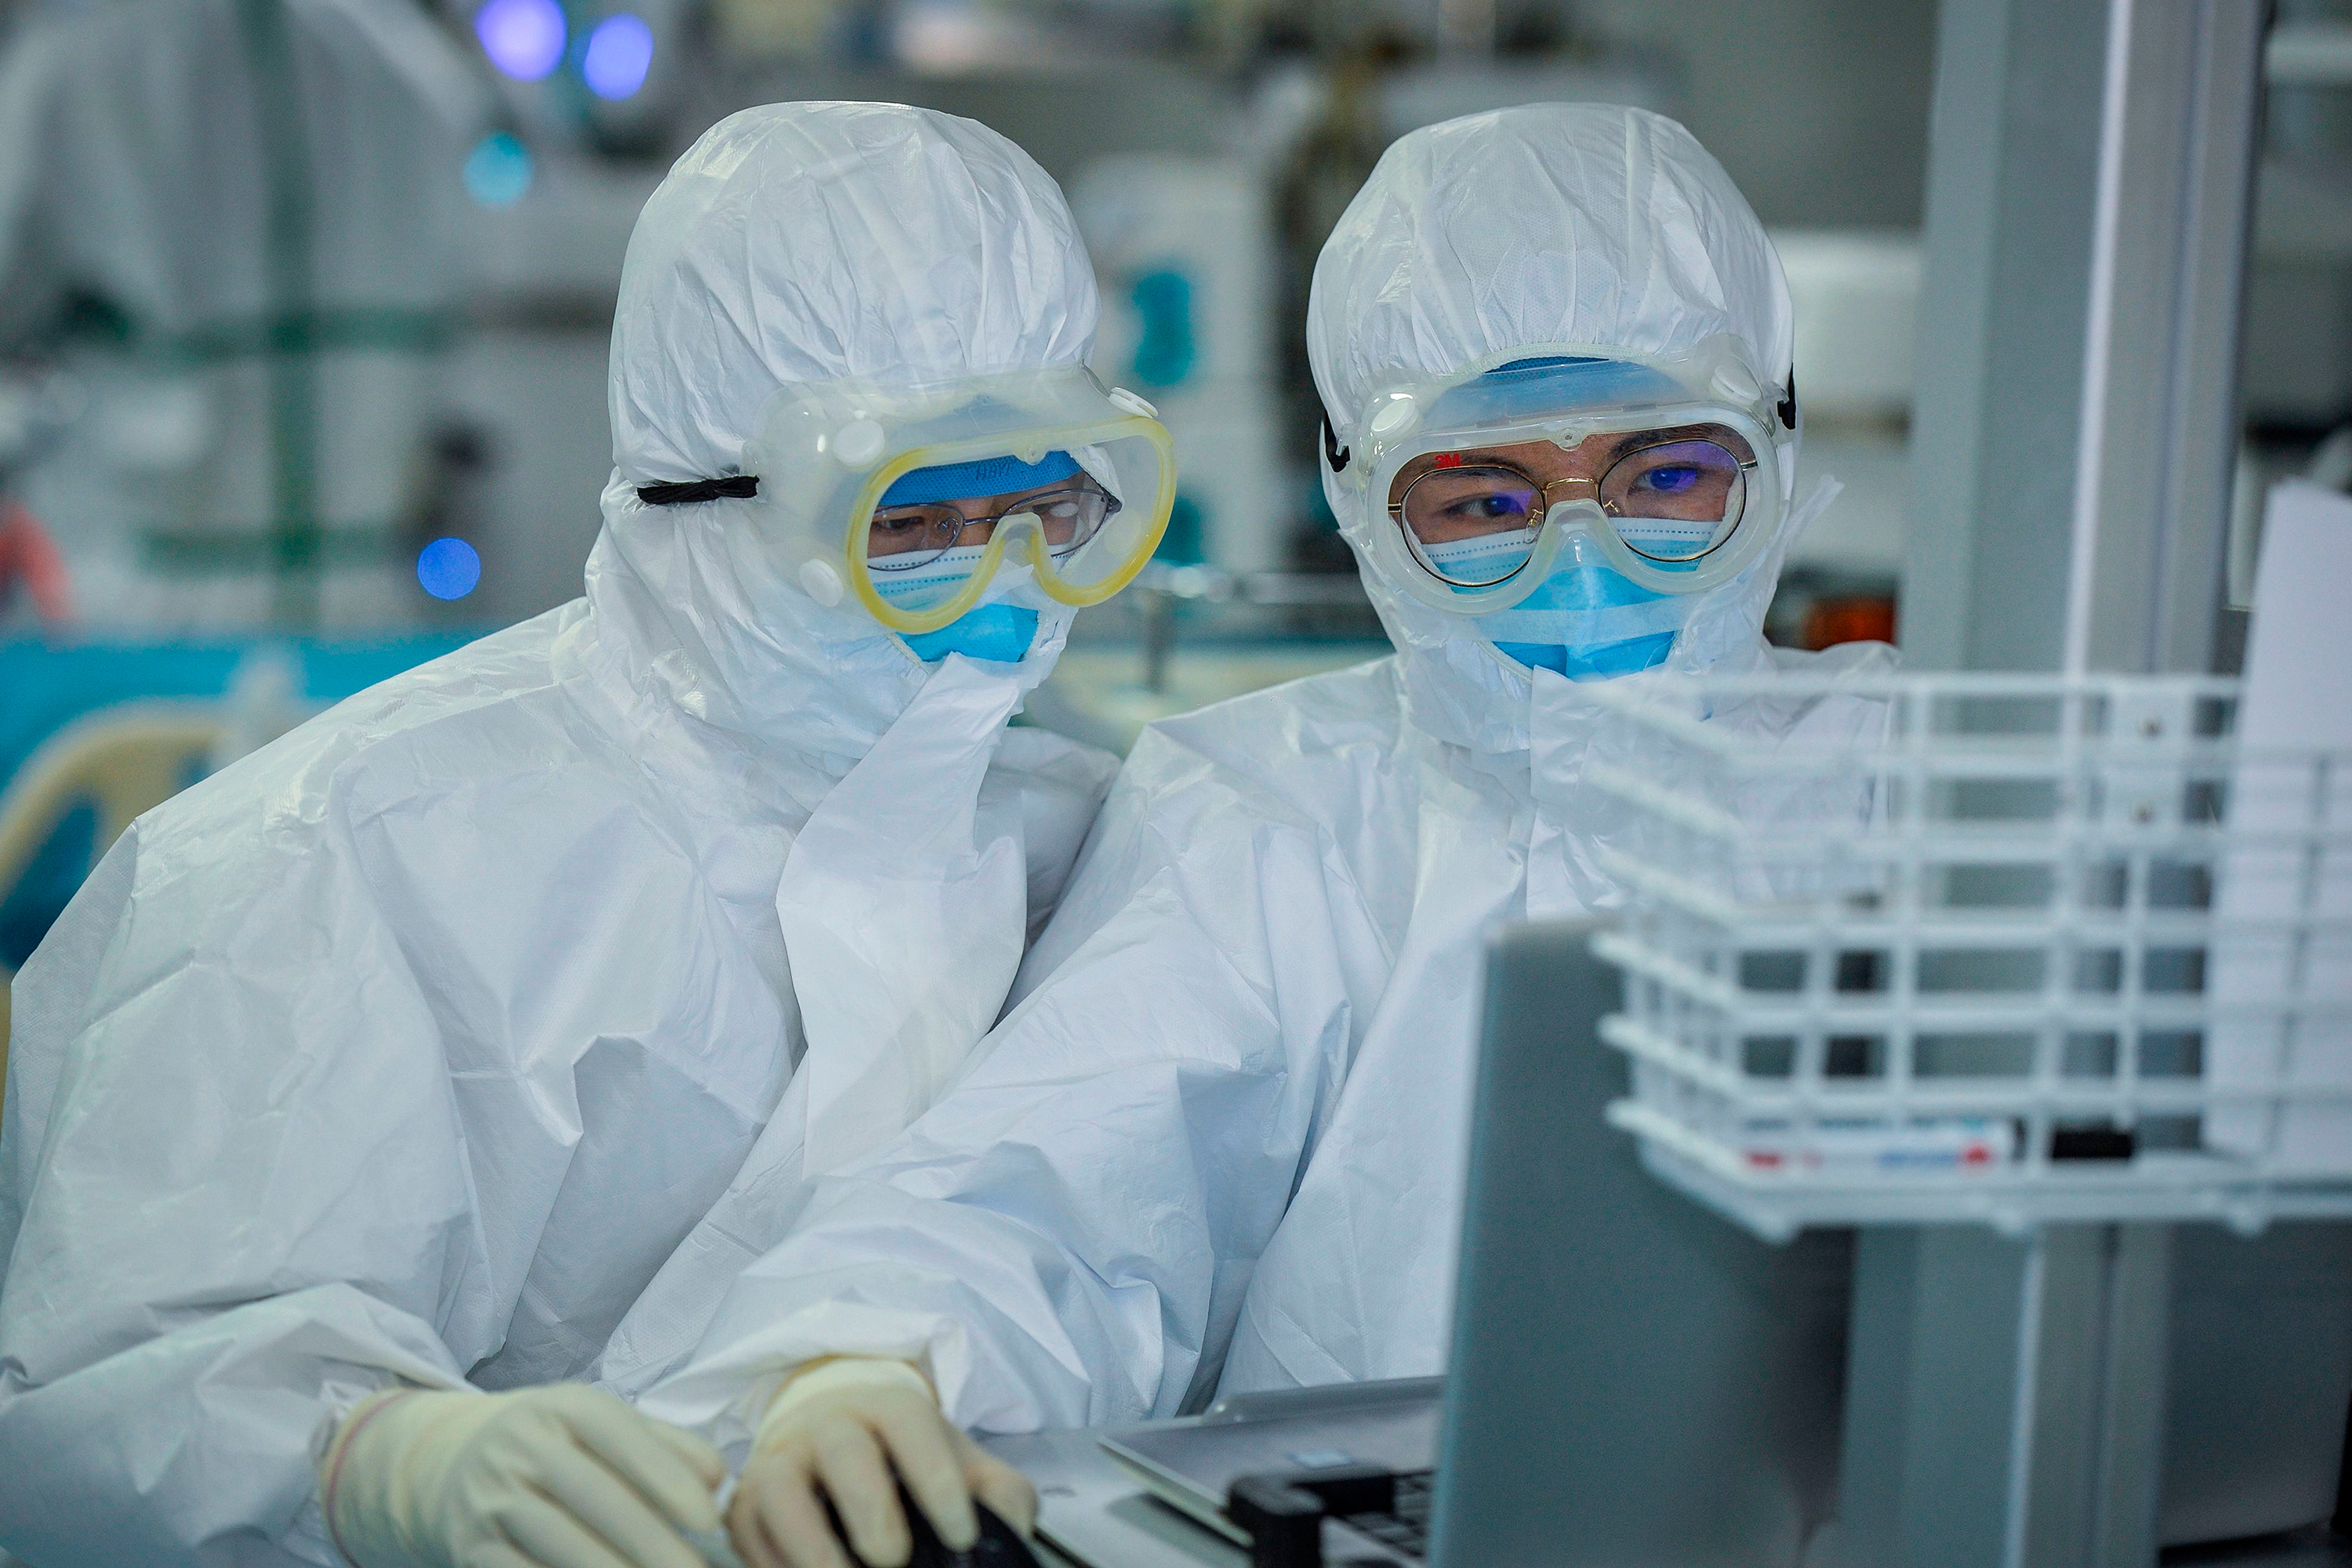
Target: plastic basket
<point>2036,948</point>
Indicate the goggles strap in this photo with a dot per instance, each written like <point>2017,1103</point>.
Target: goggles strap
<point>1333,453</point>
<point>735,487</point>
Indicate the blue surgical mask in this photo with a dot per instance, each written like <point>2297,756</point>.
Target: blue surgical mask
<point>1584,621</point>
<point>999,632</point>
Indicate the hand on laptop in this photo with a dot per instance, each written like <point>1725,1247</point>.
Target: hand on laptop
<point>838,1432</point>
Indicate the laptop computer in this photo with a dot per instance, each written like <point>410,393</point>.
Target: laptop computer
<point>1634,1380</point>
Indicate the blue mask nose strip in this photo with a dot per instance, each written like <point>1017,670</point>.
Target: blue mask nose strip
<point>999,633</point>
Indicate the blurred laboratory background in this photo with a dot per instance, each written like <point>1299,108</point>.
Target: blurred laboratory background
<point>304,307</point>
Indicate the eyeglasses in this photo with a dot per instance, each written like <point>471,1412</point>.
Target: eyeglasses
<point>1473,519</point>
<point>902,538</point>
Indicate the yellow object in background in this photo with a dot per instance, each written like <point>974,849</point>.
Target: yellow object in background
<point>124,761</point>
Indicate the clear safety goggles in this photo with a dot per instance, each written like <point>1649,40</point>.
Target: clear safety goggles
<point>913,500</point>
<point>1671,474</point>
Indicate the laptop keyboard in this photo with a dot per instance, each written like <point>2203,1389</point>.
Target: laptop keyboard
<point>1404,1529</point>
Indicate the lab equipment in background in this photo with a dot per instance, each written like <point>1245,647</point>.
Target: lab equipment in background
<point>249,262</point>
<point>36,405</point>
<point>1183,256</point>
<point>1855,293</point>
<point>2133,217</point>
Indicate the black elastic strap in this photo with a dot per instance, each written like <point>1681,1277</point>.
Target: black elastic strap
<point>1789,402</point>
<point>734,487</point>
<point>1333,453</point>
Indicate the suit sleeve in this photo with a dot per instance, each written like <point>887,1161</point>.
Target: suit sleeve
<point>1064,1238</point>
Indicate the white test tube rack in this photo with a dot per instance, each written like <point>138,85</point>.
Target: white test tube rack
<point>1987,965</point>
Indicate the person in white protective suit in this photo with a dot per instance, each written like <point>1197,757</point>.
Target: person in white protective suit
<point>386,1067</point>
<point>1217,1144</point>
<point>240,224</point>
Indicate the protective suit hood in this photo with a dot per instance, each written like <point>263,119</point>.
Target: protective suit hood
<point>1619,230</point>
<point>797,243</point>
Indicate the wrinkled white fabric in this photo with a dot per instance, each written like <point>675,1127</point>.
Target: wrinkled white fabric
<point>910,909</point>
<point>986,231</point>
<point>1218,1141</point>
<point>139,152</point>
<point>412,1045</point>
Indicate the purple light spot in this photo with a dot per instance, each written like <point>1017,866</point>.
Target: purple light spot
<point>523,39</point>
<point>620,52</point>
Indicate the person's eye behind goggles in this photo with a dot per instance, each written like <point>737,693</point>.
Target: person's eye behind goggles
<point>929,512</point>
<point>1671,496</point>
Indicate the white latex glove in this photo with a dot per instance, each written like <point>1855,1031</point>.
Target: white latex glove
<point>842,1427</point>
<point>560,1476</point>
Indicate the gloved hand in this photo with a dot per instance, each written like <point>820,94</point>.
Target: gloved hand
<point>842,1427</point>
<point>560,1476</point>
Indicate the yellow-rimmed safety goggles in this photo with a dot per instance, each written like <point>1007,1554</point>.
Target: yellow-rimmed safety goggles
<point>913,500</point>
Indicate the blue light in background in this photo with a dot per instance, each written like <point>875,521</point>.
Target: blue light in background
<point>449,568</point>
<point>498,170</point>
<point>620,52</point>
<point>523,39</point>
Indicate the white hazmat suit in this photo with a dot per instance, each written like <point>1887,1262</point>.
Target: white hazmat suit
<point>411,1045</point>
<point>1219,1141</point>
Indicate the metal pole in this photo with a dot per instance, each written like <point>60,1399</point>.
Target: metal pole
<point>2088,212</point>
